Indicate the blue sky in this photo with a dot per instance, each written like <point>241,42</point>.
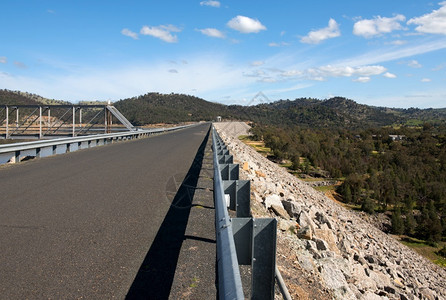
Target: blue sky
<point>382,53</point>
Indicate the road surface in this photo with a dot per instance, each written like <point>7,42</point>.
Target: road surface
<point>80,225</point>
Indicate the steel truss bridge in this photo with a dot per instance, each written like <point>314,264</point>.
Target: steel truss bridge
<point>56,121</point>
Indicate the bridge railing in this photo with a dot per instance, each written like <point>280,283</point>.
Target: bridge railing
<point>15,152</point>
<point>43,121</point>
<point>242,239</point>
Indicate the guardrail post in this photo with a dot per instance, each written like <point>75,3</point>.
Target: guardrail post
<point>74,121</point>
<point>240,194</point>
<point>7,123</point>
<point>17,157</point>
<point>40,122</point>
<point>263,262</point>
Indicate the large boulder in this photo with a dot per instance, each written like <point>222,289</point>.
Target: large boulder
<point>305,220</point>
<point>272,199</point>
<point>280,211</point>
<point>292,208</point>
<point>327,235</point>
<point>305,233</point>
<point>334,279</point>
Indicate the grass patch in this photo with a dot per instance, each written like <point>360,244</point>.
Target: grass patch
<point>259,146</point>
<point>325,188</point>
<point>426,250</point>
<point>244,137</point>
<point>194,283</point>
<point>441,262</point>
<point>414,122</point>
<point>312,179</point>
<point>351,206</point>
<point>286,165</point>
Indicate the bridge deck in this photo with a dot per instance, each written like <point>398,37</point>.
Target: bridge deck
<point>89,223</point>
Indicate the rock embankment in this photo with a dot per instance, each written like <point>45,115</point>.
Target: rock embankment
<point>324,246</point>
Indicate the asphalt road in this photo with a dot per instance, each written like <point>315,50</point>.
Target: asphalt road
<point>79,225</point>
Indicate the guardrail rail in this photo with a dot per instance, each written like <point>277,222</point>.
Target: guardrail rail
<point>241,240</point>
<point>15,152</point>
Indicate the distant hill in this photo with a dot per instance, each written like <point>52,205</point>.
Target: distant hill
<point>168,108</point>
<point>9,98</point>
<point>24,98</point>
<point>335,112</point>
<point>307,112</point>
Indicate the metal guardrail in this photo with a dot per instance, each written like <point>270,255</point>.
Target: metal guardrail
<point>242,240</point>
<point>15,152</point>
<point>229,280</point>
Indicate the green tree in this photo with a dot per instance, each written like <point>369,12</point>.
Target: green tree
<point>397,221</point>
<point>442,252</point>
<point>368,205</point>
<point>423,224</point>
<point>435,224</point>
<point>295,162</point>
<point>345,190</point>
<point>410,223</point>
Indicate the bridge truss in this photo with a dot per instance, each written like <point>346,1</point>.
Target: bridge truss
<point>56,121</point>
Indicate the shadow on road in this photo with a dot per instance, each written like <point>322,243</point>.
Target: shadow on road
<point>155,276</point>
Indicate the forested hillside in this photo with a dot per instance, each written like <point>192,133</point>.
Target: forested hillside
<point>10,98</point>
<point>304,112</point>
<point>335,112</point>
<point>171,108</point>
<point>24,98</point>
<point>402,170</point>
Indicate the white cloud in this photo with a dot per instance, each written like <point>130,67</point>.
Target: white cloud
<point>212,32</point>
<point>426,80</point>
<point>291,73</point>
<point>389,75</point>
<point>363,79</point>
<point>324,72</point>
<point>287,89</point>
<point>273,44</point>
<point>398,42</point>
<point>267,80</point>
<point>257,63</point>
<point>414,64</point>
<point>175,71</point>
<point>377,26</point>
<point>435,22</point>
<point>246,25</point>
<point>3,60</point>
<point>162,32</point>
<point>317,36</point>
<point>347,71</point>
<point>374,57</point>
<point>129,33</point>
<point>210,3</point>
